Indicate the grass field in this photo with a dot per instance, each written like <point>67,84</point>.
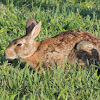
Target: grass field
<point>17,81</point>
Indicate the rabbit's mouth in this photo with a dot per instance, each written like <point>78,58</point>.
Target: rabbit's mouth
<point>11,58</point>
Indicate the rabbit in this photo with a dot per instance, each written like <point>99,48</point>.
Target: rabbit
<point>71,47</point>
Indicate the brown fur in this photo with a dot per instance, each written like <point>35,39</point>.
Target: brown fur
<point>57,49</point>
<point>29,25</point>
<point>70,47</point>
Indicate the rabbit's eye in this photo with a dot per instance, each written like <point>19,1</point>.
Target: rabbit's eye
<point>19,44</point>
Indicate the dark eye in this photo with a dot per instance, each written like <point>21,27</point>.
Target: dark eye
<point>19,44</point>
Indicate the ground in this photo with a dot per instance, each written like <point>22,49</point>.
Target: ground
<point>17,81</point>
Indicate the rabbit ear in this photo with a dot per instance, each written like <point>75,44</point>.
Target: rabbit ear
<point>34,33</point>
<point>30,25</point>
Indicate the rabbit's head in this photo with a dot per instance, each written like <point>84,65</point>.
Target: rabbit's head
<point>25,46</point>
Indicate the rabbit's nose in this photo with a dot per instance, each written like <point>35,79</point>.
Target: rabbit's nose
<point>7,53</point>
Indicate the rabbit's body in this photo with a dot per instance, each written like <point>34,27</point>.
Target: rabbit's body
<point>63,48</point>
<point>67,47</point>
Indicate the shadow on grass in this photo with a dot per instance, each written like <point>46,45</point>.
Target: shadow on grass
<point>84,12</point>
<point>12,62</point>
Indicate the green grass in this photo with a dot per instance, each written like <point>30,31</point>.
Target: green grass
<point>17,81</point>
